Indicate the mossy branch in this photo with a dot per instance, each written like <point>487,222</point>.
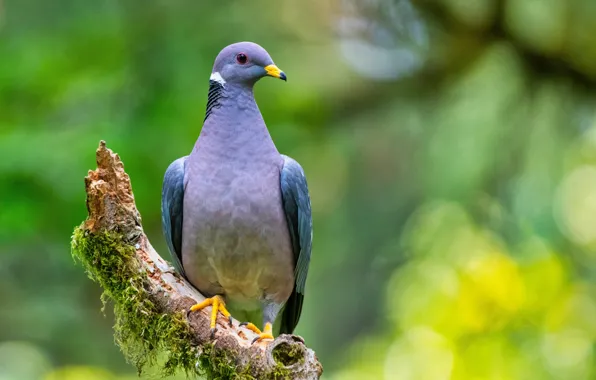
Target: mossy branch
<point>150,299</point>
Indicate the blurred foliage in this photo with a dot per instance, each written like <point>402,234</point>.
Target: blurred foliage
<point>450,148</point>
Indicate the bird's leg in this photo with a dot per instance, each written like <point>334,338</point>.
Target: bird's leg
<point>267,332</point>
<point>218,304</point>
<point>270,311</point>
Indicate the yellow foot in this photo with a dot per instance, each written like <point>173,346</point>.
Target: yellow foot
<point>267,332</point>
<point>218,305</point>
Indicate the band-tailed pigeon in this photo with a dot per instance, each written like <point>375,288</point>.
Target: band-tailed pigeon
<point>235,212</point>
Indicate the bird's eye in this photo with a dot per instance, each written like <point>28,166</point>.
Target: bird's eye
<point>241,58</point>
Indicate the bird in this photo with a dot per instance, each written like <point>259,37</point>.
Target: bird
<point>236,213</point>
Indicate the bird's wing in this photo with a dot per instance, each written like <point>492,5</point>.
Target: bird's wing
<point>172,200</point>
<point>296,204</point>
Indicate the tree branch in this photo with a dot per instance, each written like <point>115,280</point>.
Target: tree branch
<point>151,299</point>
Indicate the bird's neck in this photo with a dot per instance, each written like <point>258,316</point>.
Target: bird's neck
<point>214,97</point>
<point>231,107</point>
<point>233,121</point>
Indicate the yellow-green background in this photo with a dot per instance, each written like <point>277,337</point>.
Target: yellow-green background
<point>450,148</point>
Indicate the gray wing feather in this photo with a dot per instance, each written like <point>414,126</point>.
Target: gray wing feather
<point>296,204</point>
<point>172,201</point>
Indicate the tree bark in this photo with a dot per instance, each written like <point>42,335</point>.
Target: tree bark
<point>113,214</point>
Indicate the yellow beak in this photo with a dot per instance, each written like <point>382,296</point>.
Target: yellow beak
<point>275,72</point>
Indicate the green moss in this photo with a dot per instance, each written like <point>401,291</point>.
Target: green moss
<point>141,330</point>
<point>215,364</point>
<point>286,355</point>
<point>280,373</point>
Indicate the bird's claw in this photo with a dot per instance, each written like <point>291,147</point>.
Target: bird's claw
<point>262,335</point>
<point>251,327</point>
<point>217,304</point>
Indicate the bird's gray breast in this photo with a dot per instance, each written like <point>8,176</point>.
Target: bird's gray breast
<point>236,240</point>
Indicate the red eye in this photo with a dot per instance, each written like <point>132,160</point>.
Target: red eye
<point>241,58</point>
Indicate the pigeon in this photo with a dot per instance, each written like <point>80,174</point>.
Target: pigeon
<point>236,213</point>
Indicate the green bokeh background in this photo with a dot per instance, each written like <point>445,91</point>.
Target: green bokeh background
<point>450,147</point>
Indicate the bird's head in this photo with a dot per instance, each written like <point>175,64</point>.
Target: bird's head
<point>244,63</point>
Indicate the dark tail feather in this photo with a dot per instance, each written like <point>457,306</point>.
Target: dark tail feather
<point>291,313</point>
